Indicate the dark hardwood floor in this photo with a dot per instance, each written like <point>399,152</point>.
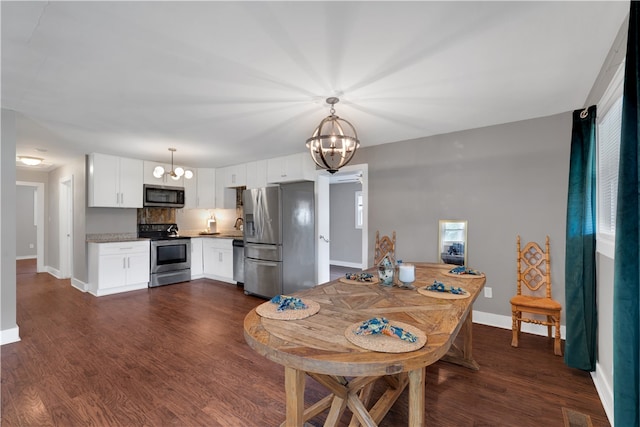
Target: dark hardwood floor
<point>176,355</point>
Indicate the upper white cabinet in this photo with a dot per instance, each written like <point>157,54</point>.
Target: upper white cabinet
<point>200,191</point>
<point>225,197</point>
<point>235,176</point>
<point>295,167</point>
<point>165,179</point>
<point>257,174</point>
<point>114,182</point>
<point>206,189</point>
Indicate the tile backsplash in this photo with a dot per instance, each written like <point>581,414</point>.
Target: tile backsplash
<point>157,216</point>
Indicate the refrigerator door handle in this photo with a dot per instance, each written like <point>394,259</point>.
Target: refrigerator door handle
<point>265,263</point>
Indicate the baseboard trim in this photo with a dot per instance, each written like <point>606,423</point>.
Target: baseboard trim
<point>117,290</point>
<point>347,264</point>
<point>8,336</point>
<point>53,271</point>
<point>603,387</point>
<point>504,322</point>
<point>79,284</point>
<point>20,258</point>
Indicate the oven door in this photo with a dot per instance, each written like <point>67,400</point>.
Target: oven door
<point>170,255</point>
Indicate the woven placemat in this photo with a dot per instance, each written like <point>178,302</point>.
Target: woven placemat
<point>374,280</point>
<point>463,276</point>
<point>385,343</point>
<point>444,295</point>
<point>269,310</point>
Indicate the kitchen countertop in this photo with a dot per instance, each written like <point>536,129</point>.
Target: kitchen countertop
<point>225,234</point>
<point>113,237</point>
<point>133,237</point>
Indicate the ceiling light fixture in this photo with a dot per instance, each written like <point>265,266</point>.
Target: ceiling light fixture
<point>176,173</point>
<point>334,142</point>
<point>30,161</point>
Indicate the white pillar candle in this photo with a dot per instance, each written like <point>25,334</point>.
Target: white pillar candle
<point>407,273</point>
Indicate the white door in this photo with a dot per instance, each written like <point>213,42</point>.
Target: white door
<point>323,229</point>
<point>66,227</point>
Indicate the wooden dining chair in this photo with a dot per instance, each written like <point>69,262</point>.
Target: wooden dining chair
<point>384,246</point>
<point>534,293</point>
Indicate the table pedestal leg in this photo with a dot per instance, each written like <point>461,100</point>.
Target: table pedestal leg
<point>463,356</point>
<point>294,383</point>
<point>416,397</point>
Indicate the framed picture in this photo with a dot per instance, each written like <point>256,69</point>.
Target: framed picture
<point>452,242</point>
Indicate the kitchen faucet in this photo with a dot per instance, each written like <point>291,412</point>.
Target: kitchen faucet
<point>238,226</point>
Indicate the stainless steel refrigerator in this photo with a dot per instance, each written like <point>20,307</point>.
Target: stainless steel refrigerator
<point>279,239</point>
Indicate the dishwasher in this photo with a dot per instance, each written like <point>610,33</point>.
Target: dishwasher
<point>238,260</point>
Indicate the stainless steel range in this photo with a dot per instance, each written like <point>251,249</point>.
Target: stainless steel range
<point>170,254</point>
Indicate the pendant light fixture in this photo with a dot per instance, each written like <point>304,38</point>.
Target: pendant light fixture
<point>176,173</point>
<point>334,142</point>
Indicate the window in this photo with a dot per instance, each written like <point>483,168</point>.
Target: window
<point>359,210</point>
<point>609,129</point>
<point>608,157</point>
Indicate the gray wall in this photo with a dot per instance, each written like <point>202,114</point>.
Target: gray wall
<point>504,180</point>
<point>8,224</point>
<point>75,169</point>
<point>26,243</point>
<point>24,175</point>
<point>346,239</point>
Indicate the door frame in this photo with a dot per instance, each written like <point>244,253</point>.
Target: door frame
<point>322,206</point>
<point>65,224</point>
<point>39,218</point>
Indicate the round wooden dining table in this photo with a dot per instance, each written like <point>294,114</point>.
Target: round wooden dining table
<point>316,346</point>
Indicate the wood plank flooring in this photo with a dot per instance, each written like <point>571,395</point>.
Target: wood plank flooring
<point>176,356</point>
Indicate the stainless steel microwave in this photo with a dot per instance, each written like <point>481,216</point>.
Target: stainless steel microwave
<point>164,197</point>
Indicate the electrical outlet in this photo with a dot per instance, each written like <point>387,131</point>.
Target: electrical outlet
<point>30,245</point>
<point>488,292</point>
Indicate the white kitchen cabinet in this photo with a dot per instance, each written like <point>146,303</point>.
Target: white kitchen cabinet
<point>257,174</point>
<point>200,191</point>
<point>225,197</point>
<point>295,167</point>
<point>114,182</point>
<point>217,256</point>
<point>165,180</point>
<point>206,188</point>
<point>118,267</point>
<point>197,268</point>
<point>235,176</point>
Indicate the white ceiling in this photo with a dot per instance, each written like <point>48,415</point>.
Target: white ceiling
<point>229,82</point>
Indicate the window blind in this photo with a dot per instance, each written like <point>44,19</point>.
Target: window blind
<point>608,157</point>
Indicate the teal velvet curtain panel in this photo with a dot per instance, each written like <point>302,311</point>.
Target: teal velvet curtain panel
<point>580,261</point>
<point>626,300</point>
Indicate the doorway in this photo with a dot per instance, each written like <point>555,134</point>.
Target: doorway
<point>38,220</point>
<point>66,227</point>
<point>352,173</point>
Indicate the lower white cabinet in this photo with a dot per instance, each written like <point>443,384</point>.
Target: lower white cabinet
<point>197,268</point>
<point>217,256</point>
<point>118,267</point>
